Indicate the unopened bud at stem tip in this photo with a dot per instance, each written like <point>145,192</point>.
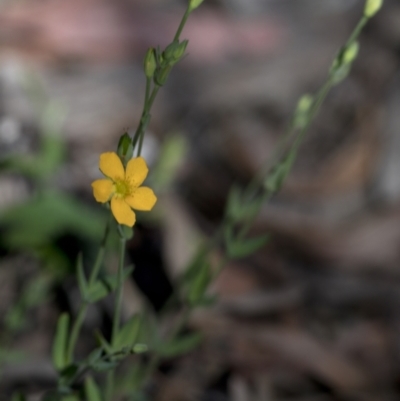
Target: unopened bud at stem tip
<point>372,7</point>
<point>193,4</point>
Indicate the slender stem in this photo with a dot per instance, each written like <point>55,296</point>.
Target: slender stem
<point>148,88</point>
<point>120,288</point>
<point>182,24</point>
<point>75,331</point>
<point>149,98</point>
<point>117,315</point>
<point>100,254</point>
<point>357,30</point>
<point>145,119</point>
<point>76,328</point>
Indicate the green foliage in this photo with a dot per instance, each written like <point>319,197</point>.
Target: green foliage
<point>104,286</point>
<point>179,346</point>
<point>92,392</point>
<point>60,358</point>
<point>278,174</point>
<point>36,222</point>
<point>239,209</point>
<point>237,247</point>
<point>126,232</point>
<point>51,151</point>
<point>128,334</point>
<point>34,293</point>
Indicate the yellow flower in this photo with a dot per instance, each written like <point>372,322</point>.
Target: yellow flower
<point>123,187</point>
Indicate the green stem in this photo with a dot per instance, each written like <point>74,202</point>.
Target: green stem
<point>182,24</point>
<point>149,98</point>
<point>357,30</point>
<point>117,314</point>
<point>145,119</point>
<point>100,254</point>
<point>148,88</point>
<point>75,331</point>
<point>120,288</point>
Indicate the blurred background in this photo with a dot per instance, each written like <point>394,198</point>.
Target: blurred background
<point>313,316</point>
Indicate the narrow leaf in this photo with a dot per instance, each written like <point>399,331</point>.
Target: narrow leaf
<point>242,248</point>
<point>60,342</point>
<point>105,285</point>
<point>83,288</point>
<point>92,391</point>
<point>180,346</point>
<point>128,334</point>
<point>103,342</point>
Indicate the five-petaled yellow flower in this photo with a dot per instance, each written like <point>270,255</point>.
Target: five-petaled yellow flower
<point>123,187</point>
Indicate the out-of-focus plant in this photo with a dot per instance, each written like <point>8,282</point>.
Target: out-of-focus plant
<point>122,191</point>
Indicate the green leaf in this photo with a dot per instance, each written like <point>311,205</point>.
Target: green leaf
<point>180,346</point>
<point>105,285</point>
<point>240,209</point>
<point>140,348</point>
<point>241,248</point>
<point>60,342</point>
<point>148,335</point>
<point>126,232</point>
<point>234,203</point>
<point>277,176</point>
<point>35,223</point>
<point>68,373</point>
<point>199,284</point>
<point>104,343</point>
<point>92,391</point>
<point>82,283</point>
<point>94,356</point>
<point>102,366</point>
<point>128,334</point>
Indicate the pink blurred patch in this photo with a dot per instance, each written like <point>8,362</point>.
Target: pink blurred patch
<point>96,30</point>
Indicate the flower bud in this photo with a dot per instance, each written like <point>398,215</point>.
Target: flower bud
<point>301,115</point>
<point>372,7</point>
<point>150,63</point>
<point>304,104</point>
<point>125,148</point>
<point>342,64</point>
<point>168,53</point>
<point>161,75</point>
<point>193,4</point>
<point>180,51</point>
<point>350,53</point>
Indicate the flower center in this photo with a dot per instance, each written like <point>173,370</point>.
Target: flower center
<point>122,188</point>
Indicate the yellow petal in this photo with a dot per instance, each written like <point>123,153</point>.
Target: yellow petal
<point>142,199</point>
<point>136,171</point>
<point>102,190</point>
<point>122,212</point>
<point>111,166</point>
